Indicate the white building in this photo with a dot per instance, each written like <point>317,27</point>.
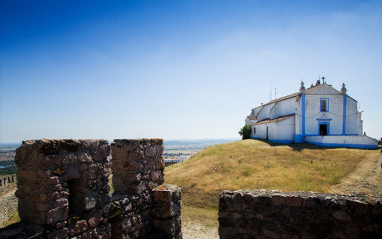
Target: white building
<point>318,115</point>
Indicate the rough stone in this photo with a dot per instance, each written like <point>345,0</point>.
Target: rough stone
<point>303,215</point>
<point>342,216</point>
<point>63,186</point>
<point>79,227</point>
<point>61,202</point>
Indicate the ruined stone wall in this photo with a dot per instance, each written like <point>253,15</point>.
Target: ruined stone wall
<point>8,200</point>
<point>264,214</point>
<point>64,191</point>
<point>63,186</point>
<point>7,183</point>
<point>137,175</point>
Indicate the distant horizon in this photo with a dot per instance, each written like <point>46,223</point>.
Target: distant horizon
<point>185,140</point>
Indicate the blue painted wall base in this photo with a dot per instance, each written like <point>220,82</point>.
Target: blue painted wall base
<point>299,138</point>
<point>358,146</point>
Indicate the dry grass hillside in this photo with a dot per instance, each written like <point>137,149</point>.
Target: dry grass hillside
<point>254,164</point>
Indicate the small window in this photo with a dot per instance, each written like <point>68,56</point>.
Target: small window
<point>324,105</point>
<point>254,130</point>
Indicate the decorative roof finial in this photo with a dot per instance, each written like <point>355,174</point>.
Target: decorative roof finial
<point>318,82</point>
<point>343,89</point>
<point>302,88</point>
<point>323,80</point>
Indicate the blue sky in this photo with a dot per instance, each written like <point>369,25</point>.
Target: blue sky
<point>176,69</point>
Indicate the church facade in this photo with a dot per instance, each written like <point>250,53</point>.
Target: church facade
<point>318,115</point>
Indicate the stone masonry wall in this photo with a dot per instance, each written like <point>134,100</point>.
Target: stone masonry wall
<point>8,206</point>
<point>8,200</point>
<point>137,175</point>
<point>63,186</point>
<point>64,192</point>
<point>263,214</point>
<point>7,183</point>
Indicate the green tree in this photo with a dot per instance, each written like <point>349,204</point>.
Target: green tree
<point>245,132</point>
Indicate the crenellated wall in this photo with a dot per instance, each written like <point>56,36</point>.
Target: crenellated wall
<point>8,200</point>
<point>7,183</point>
<point>264,214</point>
<point>64,191</point>
<point>143,206</point>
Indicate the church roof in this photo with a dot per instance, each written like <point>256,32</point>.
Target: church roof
<point>252,117</point>
<point>298,95</point>
<point>267,121</point>
<point>282,98</point>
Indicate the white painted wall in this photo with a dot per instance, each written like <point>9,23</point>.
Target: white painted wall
<point>351,116</point>
<point>249,122</point>
<point>282,130</point>
<point>359,124</point>
<point>341,139</point>
<point>272,131</point>
<point>260,131</point>
<point>285,129</point>
<point>256,110</point>
<point>313,111</point>
<point>285,107</point>
<point>264,113</point>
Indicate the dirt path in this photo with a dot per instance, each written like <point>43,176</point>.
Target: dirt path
<point>195,230</point>
<point>366,179</point>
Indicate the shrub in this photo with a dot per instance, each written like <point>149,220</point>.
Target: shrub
<point>245,132</point>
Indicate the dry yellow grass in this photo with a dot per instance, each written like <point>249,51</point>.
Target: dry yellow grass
<point>13,219</point>
<point>254,164</point>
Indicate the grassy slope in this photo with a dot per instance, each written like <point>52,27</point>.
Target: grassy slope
<point>13,219</point>
<point>254,164</point>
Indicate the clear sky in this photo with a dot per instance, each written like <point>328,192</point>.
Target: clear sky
<point>177,69</point>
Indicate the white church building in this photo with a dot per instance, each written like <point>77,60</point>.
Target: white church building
<point>318,115</point>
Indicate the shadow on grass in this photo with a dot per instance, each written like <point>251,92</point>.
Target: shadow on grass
<point>299,147</point>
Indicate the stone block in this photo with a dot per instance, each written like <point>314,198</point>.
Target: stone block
<point>52,180</point>
<point>293,201</point>
<point>165,226</point>
<point>278,200</point>
<point>79,227</point>
<point>341,215</point>
<point>59,234</point>
<point>52,160</point>
<point>90,202</point>
<point>150,152</point>
<point>55,215</point>
<point>72,172</point>
<point>162,195</point>
<point>61,202</point>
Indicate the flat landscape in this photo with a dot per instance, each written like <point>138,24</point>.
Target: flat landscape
<point>7,155</point>
<point>177,148</point>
